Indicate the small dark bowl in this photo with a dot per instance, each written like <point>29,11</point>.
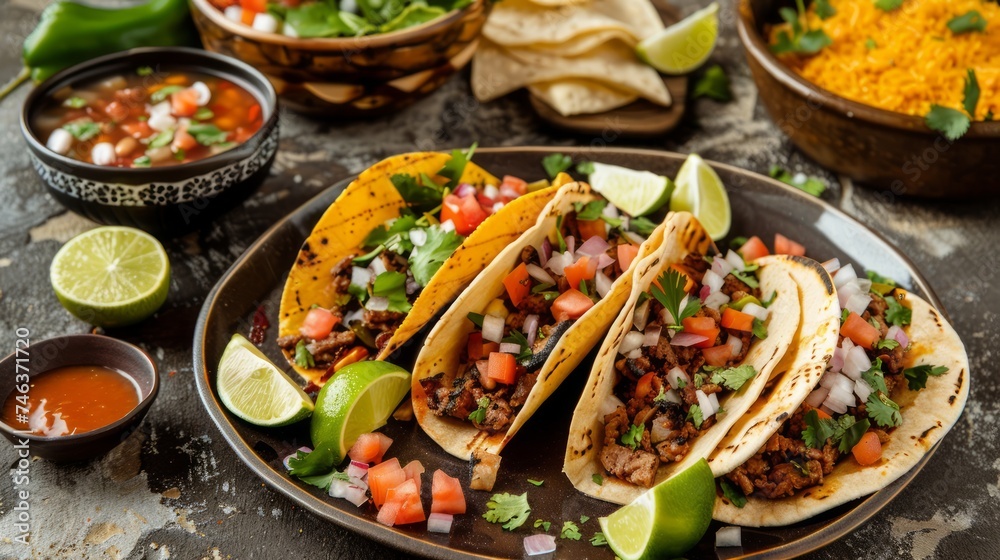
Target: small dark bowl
<point>161,200</point>
<point>81,350</point>
<point>893,152</point>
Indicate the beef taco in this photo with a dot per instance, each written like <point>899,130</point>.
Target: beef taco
<point>396,246</point>
<point>524,324</point>
<point>689,354</point>
<point>896,383</point>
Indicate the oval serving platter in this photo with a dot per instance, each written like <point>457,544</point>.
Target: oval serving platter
<point>256,280</point>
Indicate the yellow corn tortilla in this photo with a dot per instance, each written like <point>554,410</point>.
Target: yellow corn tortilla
<point>683,235</point>
<point>369,202</point>
<point>927,414</point>
<point>446,341</point>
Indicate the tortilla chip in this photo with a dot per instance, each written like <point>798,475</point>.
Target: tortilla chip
<point>578,96</point>
<point>581,44</point>
<point>524,22</point>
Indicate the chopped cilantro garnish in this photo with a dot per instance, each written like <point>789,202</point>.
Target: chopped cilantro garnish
<point>85,130</point>
<point>877,278</point>
<point>897,314</point>
<point>870,44</point>
<point>817,430</point>
<point>584,519</point>
<point>916,377</point>
<point>420,197</point>
<point>207,134</point>
<point>392,237</point>
<point>844,314</point>
<point>952,123</point>
<point>164,92</point>
<point>392,285</point>
<point>888,5</point>
<point>144,71</point>
<point>324,480</point>
<point>733,493</point>
<point>366,259</point>
<point>802,40</point>
<point>598,479</point>
<point>642,225</point>
<point>585,167</point>
<point>969,21</point>
<point>455,167</point>
<point>570,531</point>
<point>670,293</point>
<point>874,376</point>
<point>598,540</point>
<point>747,277</point>
<point>516,337</point>
<point>699,379</point>
<point>696,416</point>
<point>824,10</point>
<point>508,509</point>
<point>633,437</point>
<point>535,482</point>
<point>767,302</point>
<point>479,415</point>
<point>812,185</point>
<point>591,210</point>
<point>555,164</point>
<point>734,377</point>
<point>713,84</point>
<point>852,434</point>
<point>759,329</point>
<point>888,344</point>
<point>544,525</point>
<point>476,318</point>
<point>302,356</point>
<point>803,469</point>
<point>426,260</point>
<point>883,410</point>
<point>661,396</point>
<point>75,102</point>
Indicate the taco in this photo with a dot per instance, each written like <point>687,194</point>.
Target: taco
<point>396,246</point>
<point>524,324</point>
<point>896,383</point>
<point>688,355</point>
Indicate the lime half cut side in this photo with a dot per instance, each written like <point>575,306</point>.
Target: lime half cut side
<point>359,399</point>
<point>700,191</point>
<point>685,45</point>
<point>666,520</point>
<point>636,193</point>
<point>253,388</point>
<point>111,276</point>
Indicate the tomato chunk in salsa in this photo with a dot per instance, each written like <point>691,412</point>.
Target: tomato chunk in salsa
<point>148,119</point>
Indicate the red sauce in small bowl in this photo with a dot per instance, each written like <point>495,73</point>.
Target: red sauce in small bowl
<point>71,400</point>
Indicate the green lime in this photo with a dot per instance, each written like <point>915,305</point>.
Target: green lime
<point>700,191</point>
<point>111,276</point>
<point>358,400</point>
<point>635,192</point>
<point>254,389</point>
<point>666,520</point>
<point>685,45</point>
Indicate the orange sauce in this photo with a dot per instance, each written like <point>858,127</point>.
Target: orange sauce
<point>71,400</point>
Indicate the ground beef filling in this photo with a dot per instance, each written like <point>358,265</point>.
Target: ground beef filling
<point>785,465</point>
<point>671,441</point>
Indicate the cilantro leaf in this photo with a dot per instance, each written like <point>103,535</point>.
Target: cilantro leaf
<point>421,198</point>
<point>316,462</point>
<point>874,376</point>
<point>391,237</point>
<point>585,167</point>
<point>535,482</point>
<point>713,84</point>
<point>570,531</point>
<point>598,479</point>
<point>897,314</point>
<point>164,92</point>
<point>591,210</point>
<point>479,415</point>
<point>817,430</point>
<point>633,437</point>
<point>324,480</point>
<point>427,259</point>
<point>367,258</point>
<point>543,524</point>
<point>392,285</point>
<point>888,5</point>
<point>952,123</point>
<point>916,377</point>
<point>824,10</point>
<point>870,44</point>
<point>734,377</point>
<point>476,318</point>
<point>584,519</point>
<point>852,434</point>
<point>642,225</point>
<point>207,134</point>
<point>877,278</point>
<point>733,493</point>
<point>84,130</point>
<point>555,164</point>
<point>598,540</point>
<point>759,329</point>
<point>970,94</point>
<point>303,358</point>
<point>508,509</point>
<point>812,185</point>
<point>144,71</point>
<point>969,21</point>
<point>888,344</point>
<point>883,410</point>
<point>811,42</point>
<point>670,293</point>
<point>803,469</point>
<point>456,166</point>
<point>75,102</point>
<point>696,416</point>
<point>747,277</point>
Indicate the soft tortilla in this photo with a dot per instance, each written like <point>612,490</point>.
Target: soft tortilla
<point>576,96</point>
<point>683,235</point>
<point>928,414</point>
<point>443,346</point>
<point>523,22</point>
<point>369,202</point>
<point>582,44</point>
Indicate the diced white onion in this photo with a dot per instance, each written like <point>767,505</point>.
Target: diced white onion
<point>338,488</point>
<point>684,339</point>
<point>59,141</point>
<point>632,341</point>
<point>418,236</point>
<point>604,261</point>
<point>538,273</point>
<point>721,266</point>
<point>497,206</point>
<point>491,191</point>
<point>559,261</point>
<point>204,94</point>
<point>265,22</point>
<point>377,303</point>
<point>865,285</point>
<point>716,300</point>
<point>634,355</point>
<point>832,265</point>
<point>356,315</point>
<point>634,237</point>
<point>357,469</point>
<point>728,536</point>
<point>570,247</point>
<point>360,277</point>
<point>103,153</point>
<point>705,403</point>
<point>609,405</point>
<point>828,380</point>
<point>659,431</point>
<point>160,122</point>
<point>593,247</point>
<point>844,275</point>
<point>897,334</point>
<point>734,258</point>
<point>233,13</point>
<point>603,284</point>
<point>356,495</point>
<point>735,345</point>
<point>837,361</point>
<point>510,348</point>
<point>439,522</point>
<point>845,292</point>
<point>448,225</point>
<point>610,211</point>
<point>493,328</point>
<point>677,377</point>
<point>834,406</point>
<point>641,316</point>
<point>713,281</point>
<point>856,362</point>
<point>816,398</point>
<point>539,544</point>
<point>757,311</point>
<point>531,328</point>
<point>652,336</point>
<point>161,108</point>
<point>862,389</point>
<point>839,394</point>
<point>714,399</point>
<point>858,303</point>
<point>845,384</point>
<point>377,266</point>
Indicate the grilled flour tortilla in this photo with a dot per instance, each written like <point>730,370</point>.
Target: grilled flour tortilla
<point>927,415</point>
<point>368,203</point>
<point>642,453</point>
<point>440,361</point>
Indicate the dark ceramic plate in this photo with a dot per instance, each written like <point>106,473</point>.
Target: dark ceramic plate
<point>761,206</point>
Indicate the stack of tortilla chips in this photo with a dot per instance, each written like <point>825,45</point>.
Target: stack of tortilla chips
<point>576,55</point>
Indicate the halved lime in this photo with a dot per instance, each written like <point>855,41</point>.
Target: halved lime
<point>111,276</point>
<point>666,520</point>
<point>634,192</point>
<point>358,400</point>
<point>254,389</point>
<point>685,45</point>
<point>700,191</point>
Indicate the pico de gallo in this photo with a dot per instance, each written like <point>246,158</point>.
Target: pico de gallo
<point>148,119</point>
<point>690,334</point>
<point>553,285</point>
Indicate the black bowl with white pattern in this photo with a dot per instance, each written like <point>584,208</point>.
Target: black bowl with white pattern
<point>164,201</point>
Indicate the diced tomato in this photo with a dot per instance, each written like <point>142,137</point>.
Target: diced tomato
<point>366,448</point>
<point>387,515</point>
<point>402,491</point>
<point>868,450</point>
<point>489,347</point>
<point>859,331</point>
<point>705,326</point>
<point>412,511</point>
<point>486,202</point>
<point>502,368</point>
<point>785,246</point>
<point>717,356</point>
<point>475,346</point>
<point>184,141</point>
<point>117,111</point>
<point>318,323</point>
<point>754,248</point>
<point>520,186</point>
<point>583,269</point>
<point>383,477</point>
<point>138,129</point>
<point>737,320</point>
<point>518,284</point>
<point>626,254</point>
<point>689,284</point>
<point>644,385</point>
<point>254,5</point>
<point>465,213</point>
<point>354,355</point>
<point>253,113</point>
<point>571,304</point>
<point>384,442</point>
<point>446,494</point>
<point>184,103</point>
<point>413,470</point>
<point>591,228</point>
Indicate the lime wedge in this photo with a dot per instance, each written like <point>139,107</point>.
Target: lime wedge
<point>254,389</point>
<point>111,276</point>
<point>666,520</point>
<point>635,192</point>
<point>685,45</point>
<point>358,400</point>
<point>700,191</point>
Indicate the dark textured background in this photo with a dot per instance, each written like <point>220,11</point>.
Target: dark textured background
<point>175,490</point>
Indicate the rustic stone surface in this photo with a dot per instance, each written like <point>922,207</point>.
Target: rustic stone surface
<point>192,498</point>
